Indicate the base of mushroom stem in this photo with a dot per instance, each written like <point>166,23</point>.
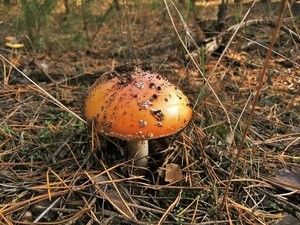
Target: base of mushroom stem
<point>138,151</point>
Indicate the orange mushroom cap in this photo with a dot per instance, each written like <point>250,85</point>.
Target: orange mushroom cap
<point>132,104</point>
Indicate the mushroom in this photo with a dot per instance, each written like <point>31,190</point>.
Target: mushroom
<point>13,42</point>
<point>136,105</point>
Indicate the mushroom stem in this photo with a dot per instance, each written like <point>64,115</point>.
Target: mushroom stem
<point>138,150</point>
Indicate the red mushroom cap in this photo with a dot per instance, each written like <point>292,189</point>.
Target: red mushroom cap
<point>132,104</point>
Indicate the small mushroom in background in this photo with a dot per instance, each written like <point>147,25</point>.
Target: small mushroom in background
<point>136,105</point>
<point>13,42</point>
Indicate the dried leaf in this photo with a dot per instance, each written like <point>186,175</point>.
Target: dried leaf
<point>173,173</point>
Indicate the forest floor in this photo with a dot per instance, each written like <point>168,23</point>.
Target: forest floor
<point>55,170</point>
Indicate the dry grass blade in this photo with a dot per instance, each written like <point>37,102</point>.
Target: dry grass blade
<point>8,222</point>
